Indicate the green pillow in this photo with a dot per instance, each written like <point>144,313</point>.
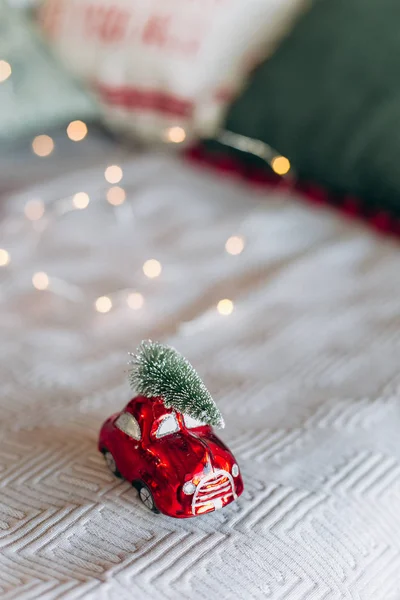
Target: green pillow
<point>329,99</point>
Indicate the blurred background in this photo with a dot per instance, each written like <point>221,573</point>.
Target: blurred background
<point>294,96</point>
<point>314,82</point>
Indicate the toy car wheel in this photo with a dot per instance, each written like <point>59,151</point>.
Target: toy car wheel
<point>147,497</point>
<point>110,462</point>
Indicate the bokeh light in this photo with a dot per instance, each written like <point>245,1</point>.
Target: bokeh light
<point>176,135</point>
<point>116,195</point>
<point>4,257</point>
<point>5,70</point>
<point>280,165</point>
<point>103,304</point>
<point>234,245</point>
<point>135,300</point>
<point>77,130</point>
<point>113,174</point>
<point>152,268</point>
<point>43,145</point>
<point>80,200</point>
<point>40,281</point>
<point>225,307</point>
<point>34,209</point>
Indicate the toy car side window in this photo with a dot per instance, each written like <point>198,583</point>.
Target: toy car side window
<point>168,425</point>
<point>191,423</point>
<point>128,424</point>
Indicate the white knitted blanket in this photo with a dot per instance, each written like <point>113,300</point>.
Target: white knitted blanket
<point>305,372</point>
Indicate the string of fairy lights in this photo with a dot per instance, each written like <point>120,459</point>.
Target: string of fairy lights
<point>36,212</point>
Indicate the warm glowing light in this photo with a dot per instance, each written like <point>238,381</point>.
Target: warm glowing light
<point>234,245</point>
<point>77,130</point>
<point>5,70</point>
<point>40,281</point>
<point>103,304</point>
<point>280,165</point>
<point>116,195</point>
<point>176,135</point>
<point>135,300</point>
<point>113,174</point>
<point>43,145</point>
<point>81,200</point>
<point>225,307</point>
<point>34,210</point>
<point>152,268</point>
<point>4,257</point>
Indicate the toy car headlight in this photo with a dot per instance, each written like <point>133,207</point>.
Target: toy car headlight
<point>235,470</point>
<point>189,488</point>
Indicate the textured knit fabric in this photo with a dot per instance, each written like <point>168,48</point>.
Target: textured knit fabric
<point>329,99</point>
<point>305,372</point>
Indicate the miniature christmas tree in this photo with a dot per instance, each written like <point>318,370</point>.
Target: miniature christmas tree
<point>159,370</point>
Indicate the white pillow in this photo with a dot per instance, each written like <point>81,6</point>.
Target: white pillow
<point>162,64</point>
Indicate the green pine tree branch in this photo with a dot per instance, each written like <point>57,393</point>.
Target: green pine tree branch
<point>159,370</point>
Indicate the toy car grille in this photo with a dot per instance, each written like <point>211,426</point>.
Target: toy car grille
<point>214,491</point>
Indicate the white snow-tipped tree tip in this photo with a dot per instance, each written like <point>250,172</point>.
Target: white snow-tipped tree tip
<point>159,370</point>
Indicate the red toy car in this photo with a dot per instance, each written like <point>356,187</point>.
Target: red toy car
<point>179,466</point>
